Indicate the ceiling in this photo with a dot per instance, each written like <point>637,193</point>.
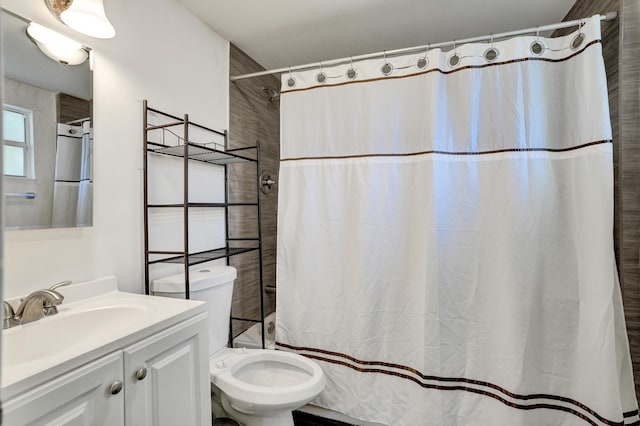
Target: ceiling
<point>281,33</point>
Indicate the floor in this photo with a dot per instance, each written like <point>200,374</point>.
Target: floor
<point>306,419</point>
<point>299,419</point>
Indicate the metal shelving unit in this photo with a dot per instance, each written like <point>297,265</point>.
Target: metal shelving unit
<point>216,155</point>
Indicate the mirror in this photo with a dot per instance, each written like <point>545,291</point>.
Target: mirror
<point>47,134</point>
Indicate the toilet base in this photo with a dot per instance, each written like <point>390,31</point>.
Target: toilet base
<point>273,418</point>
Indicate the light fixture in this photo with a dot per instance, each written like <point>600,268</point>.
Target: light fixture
<point>56,46</point>
<point>85,16</point>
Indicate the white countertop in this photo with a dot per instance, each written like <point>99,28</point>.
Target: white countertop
<point>94,320</point>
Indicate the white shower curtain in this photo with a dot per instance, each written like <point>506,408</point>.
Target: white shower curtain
<point>73,185</point>
<point>445,237</point>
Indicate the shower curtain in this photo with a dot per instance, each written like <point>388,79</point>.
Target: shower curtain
<point>73,185</point>
<point>445,245</point>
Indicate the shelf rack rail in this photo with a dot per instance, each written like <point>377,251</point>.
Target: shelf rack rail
<point>208,153</point>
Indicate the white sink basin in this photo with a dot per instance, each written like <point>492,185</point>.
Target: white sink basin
<point>92,321</point>
<point>65,332</point>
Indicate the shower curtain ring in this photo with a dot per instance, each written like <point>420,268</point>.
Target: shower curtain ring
<point>351,72</point>
<point>537,33</point>
<point>387,68</point>
<point>291,82</point>
<point>321,77</point>
<point>424,61</point>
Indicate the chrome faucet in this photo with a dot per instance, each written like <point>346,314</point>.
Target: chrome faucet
<point>35,306</point>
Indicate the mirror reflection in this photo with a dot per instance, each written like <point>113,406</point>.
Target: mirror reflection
<point>47,132</point>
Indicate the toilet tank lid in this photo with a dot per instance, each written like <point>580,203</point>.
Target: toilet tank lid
<point>199,279</point>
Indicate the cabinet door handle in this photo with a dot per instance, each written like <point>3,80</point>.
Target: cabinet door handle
<point>141,373</point>
<point>115,387</point>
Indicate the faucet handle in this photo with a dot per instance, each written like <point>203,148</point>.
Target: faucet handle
<point>60,284</point>
<point>8,310</point>
<point>8,318</point>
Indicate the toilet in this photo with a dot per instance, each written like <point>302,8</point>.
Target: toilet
<point>257,387</point>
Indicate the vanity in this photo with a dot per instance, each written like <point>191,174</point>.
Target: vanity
<point>108,358</point>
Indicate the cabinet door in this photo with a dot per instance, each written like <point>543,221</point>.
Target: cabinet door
<point>80,398</point>
<point>175,389</point>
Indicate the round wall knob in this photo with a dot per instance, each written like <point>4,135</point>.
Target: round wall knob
<point>115,387</point>
<point>266,182</point>
<point>141,373</point>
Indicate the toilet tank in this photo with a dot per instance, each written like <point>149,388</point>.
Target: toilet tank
<point>213,285</point>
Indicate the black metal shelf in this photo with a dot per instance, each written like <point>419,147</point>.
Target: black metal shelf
<point>181,205</point>
<point>203,256</point>
<point>206,153</point>
<point>199,152</point>
<point>245,319</point>
<point>218,205</point>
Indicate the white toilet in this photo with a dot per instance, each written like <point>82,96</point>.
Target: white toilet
<point>259,387</point>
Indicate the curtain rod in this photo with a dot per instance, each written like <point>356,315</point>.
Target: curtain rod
<point>610,16</point>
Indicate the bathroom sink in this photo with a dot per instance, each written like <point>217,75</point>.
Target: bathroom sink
<point>64,332</point>
<point>93,320</point>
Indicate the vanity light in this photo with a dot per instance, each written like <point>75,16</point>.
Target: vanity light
<point>85,16</point>
<point>56,46</point>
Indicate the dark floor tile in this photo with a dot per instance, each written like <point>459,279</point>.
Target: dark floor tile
<point>306,419</point>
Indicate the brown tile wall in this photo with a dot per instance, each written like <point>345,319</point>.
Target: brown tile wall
<point>629,175</point>
<point>253,117</point>
<point>70,108</point>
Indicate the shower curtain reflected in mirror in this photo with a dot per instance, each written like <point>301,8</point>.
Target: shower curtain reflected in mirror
<point>445,244</point>
<point>73,184</point>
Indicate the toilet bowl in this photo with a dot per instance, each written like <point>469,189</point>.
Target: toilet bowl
<point>258,387</point>
<point>263,386</point>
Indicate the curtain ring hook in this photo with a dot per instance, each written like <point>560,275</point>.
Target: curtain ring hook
<point>537,33</point>
<point>320,66</point>
<point>454,47</point>
<point>351,61</point>
<point>384,55</point>
<point>491,40</point>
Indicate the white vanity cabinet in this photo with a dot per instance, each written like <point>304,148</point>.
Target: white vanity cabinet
<point>167,377</point>
<point>160,379</point>
<point>76,398</point>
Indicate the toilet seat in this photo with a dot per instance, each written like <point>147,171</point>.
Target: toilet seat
<point>301,379</point>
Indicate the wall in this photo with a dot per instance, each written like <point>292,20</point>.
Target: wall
<point>629,175</point>
<point>253,118</point>
<point>162,53</point>
<point>35,213</point>
<point>71,108</point>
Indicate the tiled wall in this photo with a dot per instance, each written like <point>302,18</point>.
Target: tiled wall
<point>621,50</point>
<point>629,175</point>
<point>253,117</point>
